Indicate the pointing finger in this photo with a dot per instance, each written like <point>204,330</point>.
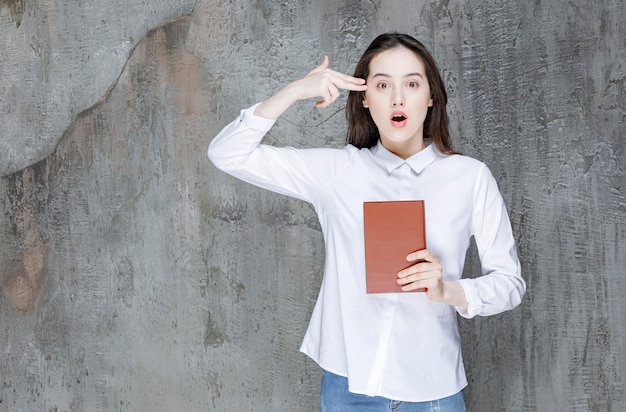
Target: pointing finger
<point>322,66</point>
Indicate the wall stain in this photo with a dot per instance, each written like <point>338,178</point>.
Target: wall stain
<point>16,9</point>
<point>125,280</point>
<point>25,206</point>
<point>220,284</point>
<point>215,387</point>
<point>213,336</point>
<point>230,212</point>
<point>28,275</point>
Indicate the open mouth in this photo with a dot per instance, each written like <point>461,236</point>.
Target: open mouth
<point>398,119</point>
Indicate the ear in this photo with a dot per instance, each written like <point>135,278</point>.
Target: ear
<point>365,104</point>
<point>430,102</point>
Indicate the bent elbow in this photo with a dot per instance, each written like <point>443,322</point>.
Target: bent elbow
<point>212,155</point>
<point>517,292</point>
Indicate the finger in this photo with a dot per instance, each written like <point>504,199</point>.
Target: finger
<point>421,285</point>
<point>335,82</point>
<point>422,273</point>
<point>418,255</point>
<point>324,103</point>
<point>336,77</point>
<point>333,93</point>
<point>350,79</point>
<point>322,66</point>
<point>419,267</point>
<point>408,272</point>
<point>423,254</point>
<point>352,86</point>
<point>428,280</point>
<point>419,278</point>
<point>406,280</point>
<point>329,97</point>
<point>415,288</point>
<point>348,82</point>
<point>422,269</point>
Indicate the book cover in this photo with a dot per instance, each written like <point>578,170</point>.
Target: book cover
<point>392,230</point>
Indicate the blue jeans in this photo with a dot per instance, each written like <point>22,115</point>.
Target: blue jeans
<point>335,397</point>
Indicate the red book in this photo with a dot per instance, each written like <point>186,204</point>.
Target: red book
<point>392,230</point>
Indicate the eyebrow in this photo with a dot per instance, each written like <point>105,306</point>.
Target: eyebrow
<point>406,75</point>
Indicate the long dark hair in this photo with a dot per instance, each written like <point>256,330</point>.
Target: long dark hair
<point>362,131</point>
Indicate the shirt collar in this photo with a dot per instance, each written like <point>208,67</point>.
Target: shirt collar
<point>418,162</point>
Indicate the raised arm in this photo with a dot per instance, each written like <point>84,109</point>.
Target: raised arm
<point>237,149</point>
<point>319,82</point>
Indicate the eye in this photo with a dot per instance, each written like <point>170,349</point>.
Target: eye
<point>383,85</point>
<point>412,84</point>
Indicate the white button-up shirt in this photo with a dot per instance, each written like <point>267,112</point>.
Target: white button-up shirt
<point>397,345</point>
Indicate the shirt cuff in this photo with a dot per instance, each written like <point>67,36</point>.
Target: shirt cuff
<point>474,304</point>
<point>248,118</point>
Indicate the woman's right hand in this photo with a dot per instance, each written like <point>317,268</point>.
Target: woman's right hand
<point>319,82</point>
<point>325,83</point>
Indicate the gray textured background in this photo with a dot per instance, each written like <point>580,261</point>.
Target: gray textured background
<point>136,277</point>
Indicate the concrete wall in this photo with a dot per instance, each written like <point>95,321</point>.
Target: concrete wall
<point>135,276</point>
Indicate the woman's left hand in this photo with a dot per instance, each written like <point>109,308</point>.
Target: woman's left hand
<point>426,275</point>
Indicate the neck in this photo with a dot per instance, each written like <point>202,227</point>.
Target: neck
<point>404,150</point>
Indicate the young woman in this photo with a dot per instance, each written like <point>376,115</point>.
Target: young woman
<point>378,351</point>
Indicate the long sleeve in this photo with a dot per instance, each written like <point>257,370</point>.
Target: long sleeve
<point>237,150</point>
<point>501,286</point>
<point>232,145</point>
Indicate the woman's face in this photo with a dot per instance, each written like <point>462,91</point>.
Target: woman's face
<point>398,97</point>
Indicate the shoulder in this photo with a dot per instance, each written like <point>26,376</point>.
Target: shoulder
<point>326,161</point>
<point>347,153</point>
<point>337,153</point>
<point>463,164</point>
<point>462,160</point>
<point>467,172</point>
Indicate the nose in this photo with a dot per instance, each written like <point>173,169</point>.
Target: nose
<point>397,99</point>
